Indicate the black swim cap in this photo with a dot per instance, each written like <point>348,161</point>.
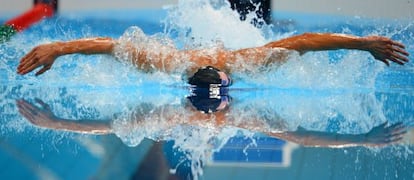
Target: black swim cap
<point>204,77</point>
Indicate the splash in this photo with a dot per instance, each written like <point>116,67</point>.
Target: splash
<point>212,24</point>
<point>198,23</point>
<point>316,91</point>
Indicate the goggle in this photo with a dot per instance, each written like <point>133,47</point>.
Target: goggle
<point>225,101</point>
<point>226,83</point>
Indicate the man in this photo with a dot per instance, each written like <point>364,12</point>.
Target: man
<point>211,67</point>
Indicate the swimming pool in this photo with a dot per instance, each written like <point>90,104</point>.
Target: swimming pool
<point>344,92</point>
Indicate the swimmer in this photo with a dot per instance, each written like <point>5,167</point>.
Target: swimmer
<point>208,68</point>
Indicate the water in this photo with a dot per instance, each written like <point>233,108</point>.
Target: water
<point>151,124</point>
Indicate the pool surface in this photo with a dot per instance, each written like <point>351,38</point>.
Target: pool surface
<point>335,94</point>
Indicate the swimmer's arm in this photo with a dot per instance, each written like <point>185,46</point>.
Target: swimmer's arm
<point>319,42</point>
<point>44,55</point>
<point>85,46</point>
<point>382,48</point>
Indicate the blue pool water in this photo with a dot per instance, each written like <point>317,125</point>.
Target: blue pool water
<point>339,92</point>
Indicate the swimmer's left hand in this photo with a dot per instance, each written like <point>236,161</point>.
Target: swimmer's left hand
<point>386,50</point>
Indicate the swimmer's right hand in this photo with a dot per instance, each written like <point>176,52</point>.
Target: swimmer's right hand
<point>386,50</point>
<point>40,56</point>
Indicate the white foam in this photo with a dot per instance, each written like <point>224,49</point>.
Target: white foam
<point>314,88</point>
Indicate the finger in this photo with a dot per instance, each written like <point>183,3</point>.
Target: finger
<point>396,134</point>
<point>44,69</point>
<point>29,68</point>
<point>398,129</point>
<point>21,104</point>
<point>402,51</point>
<point>400,57</point>
<point>28,56</point>
<point>385,62</point>
<point>32,109</point>
<point>395,60</point>
<point>400,45</point>
<point>20,107</point>
<point>395,126</point>
<point>400,134</point>
<point>393,140</point>
<point>44,105</point>
<point>20,101</point>
<point>25,59</point>
<point>26,113</point>
<point>25,65</point>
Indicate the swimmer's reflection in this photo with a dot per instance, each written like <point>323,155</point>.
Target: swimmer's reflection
<point>209,112</point>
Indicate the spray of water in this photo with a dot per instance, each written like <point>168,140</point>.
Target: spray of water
<point>311,90</point>
<point>207,23</point>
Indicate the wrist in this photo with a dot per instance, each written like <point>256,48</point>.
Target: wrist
<point>58,48</point>
<point>364,43</point>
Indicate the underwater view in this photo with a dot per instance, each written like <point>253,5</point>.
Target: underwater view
<point>337,114</point>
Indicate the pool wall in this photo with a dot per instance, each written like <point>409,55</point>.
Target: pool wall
<point>367,8</point>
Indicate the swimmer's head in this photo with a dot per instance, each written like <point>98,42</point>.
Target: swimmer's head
<point>209,76</point>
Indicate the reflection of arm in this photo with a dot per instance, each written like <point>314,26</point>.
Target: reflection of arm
<point>378,136</point>
<point>80,126</point>
<point>43,117</point>
<point>302,136</point>
<point>315,138</point>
